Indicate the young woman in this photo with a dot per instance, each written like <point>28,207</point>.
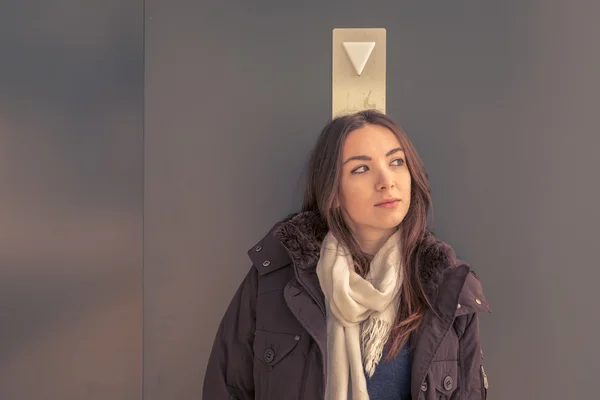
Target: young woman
<point>354,298</point>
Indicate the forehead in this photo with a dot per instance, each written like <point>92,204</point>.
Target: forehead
<point>370,139</point>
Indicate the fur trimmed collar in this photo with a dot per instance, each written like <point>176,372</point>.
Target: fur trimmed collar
<point>302,234</point>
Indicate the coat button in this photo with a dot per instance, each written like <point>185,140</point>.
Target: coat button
<point>297,337</point>
<point>266,263</point>
<point>258,248</point>
<point>448,382</point>
<point>424,387</point>
<point>458,306</point>
<point>269,355</point>
<point>478,301</point>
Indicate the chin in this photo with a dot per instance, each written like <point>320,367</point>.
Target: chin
<point>386,225</point>
<point>377,221</point>
<point>391,221</point>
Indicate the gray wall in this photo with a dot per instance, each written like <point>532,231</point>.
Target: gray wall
<point>71,192</point>
<point>500,99</point>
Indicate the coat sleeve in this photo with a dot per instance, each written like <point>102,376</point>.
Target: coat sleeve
<point>229,374</point>
<point>474,382</point>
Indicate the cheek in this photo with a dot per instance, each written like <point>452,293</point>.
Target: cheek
<point>407,191</point>
<point>353,195</point>
<point>405,181</point>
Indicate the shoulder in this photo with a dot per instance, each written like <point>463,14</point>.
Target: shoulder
<point>467,289</point>
<point>472,298</point>
<point>449,281</point>
<point>462,298</point>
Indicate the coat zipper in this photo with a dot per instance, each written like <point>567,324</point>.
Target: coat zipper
<point>485,384</point>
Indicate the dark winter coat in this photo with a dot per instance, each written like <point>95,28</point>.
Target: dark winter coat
<point>272,344</point>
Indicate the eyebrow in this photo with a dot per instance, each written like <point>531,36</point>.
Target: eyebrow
<point>367,158</point>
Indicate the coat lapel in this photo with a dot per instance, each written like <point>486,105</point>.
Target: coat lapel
<point>302,305</point>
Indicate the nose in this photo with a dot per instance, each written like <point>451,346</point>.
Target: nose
<point>386,181</point>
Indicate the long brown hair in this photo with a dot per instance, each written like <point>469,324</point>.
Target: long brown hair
<point>323,177</point>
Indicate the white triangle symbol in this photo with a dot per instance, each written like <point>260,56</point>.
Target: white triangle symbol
<point>358,53</point>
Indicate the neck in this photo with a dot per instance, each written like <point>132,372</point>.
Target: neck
<point>370,241</point>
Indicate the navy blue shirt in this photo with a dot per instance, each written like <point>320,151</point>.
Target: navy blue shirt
<point>391,380</point>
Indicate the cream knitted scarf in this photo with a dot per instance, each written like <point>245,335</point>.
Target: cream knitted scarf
<point>360,314</point>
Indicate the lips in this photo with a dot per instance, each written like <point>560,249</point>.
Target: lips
<point>387,201</point>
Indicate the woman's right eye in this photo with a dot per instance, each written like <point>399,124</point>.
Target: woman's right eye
<point>356,170</point>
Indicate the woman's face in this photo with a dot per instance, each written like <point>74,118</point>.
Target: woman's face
<point>373,170</point>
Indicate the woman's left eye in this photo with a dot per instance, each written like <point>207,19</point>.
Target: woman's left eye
<point>399,159</point>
